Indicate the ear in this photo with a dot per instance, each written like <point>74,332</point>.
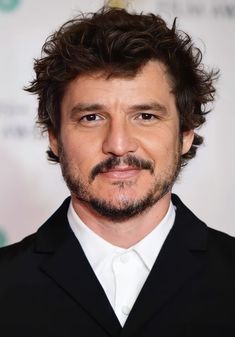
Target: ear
<point>187,141</point>
<point>53,142</point>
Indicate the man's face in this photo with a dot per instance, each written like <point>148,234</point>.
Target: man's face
<point>119,143</point>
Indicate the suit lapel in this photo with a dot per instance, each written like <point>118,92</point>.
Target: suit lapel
<point>67,265</point>
<point>175,265</point>
<point>69,268</point>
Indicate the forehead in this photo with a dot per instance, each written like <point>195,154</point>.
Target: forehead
<point>151,83</point>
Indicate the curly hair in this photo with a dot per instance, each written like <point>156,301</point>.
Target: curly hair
<point>119,43</point>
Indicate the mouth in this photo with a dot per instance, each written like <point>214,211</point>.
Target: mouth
<point>121,173</point>
<point>121,168</point>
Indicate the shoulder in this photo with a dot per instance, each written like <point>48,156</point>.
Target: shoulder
<point>50,234</point>
<point>221,244</point>
<point>199,235</point>
<point>17,261</point>
<point>16,249</point>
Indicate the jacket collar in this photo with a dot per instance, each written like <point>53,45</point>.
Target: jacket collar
<point>176,264</point>
<point>67,265</point>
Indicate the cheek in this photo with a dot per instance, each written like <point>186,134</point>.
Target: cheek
<point>161,144</point>
<point>87,143</point>
<point>81,156</point>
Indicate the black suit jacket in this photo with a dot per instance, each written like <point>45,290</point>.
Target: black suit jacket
<point>47,287</point>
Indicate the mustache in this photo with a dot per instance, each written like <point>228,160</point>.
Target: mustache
<point>114,162</point>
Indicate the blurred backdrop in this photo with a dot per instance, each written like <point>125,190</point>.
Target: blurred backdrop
<point>31,188</point>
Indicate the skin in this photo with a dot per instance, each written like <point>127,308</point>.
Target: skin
<point>118,117</point>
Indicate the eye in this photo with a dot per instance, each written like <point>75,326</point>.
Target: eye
<point>90,118</point>
<point>146,116</point>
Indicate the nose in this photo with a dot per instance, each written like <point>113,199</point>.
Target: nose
<point>119,139</point>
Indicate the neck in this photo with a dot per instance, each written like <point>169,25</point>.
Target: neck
<point>126,233</point>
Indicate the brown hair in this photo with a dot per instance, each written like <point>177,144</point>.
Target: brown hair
<point>118,43</point>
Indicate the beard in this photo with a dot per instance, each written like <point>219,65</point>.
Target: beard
<point>122,210</point>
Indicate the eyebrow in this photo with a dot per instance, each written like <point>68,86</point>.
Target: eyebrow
<point>86,107</point>
<point>83,107</point>
<point>154,106</point>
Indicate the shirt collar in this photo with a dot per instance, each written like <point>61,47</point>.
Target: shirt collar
<point>94,246</point>
<point>97,249</point>
<point>149,247</point>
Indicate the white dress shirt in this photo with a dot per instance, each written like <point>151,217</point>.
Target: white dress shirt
<point>121,272</point>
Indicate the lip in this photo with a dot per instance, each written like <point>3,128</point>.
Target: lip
<point>121,173</point>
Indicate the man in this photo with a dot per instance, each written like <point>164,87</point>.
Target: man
<point>120,96</point>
